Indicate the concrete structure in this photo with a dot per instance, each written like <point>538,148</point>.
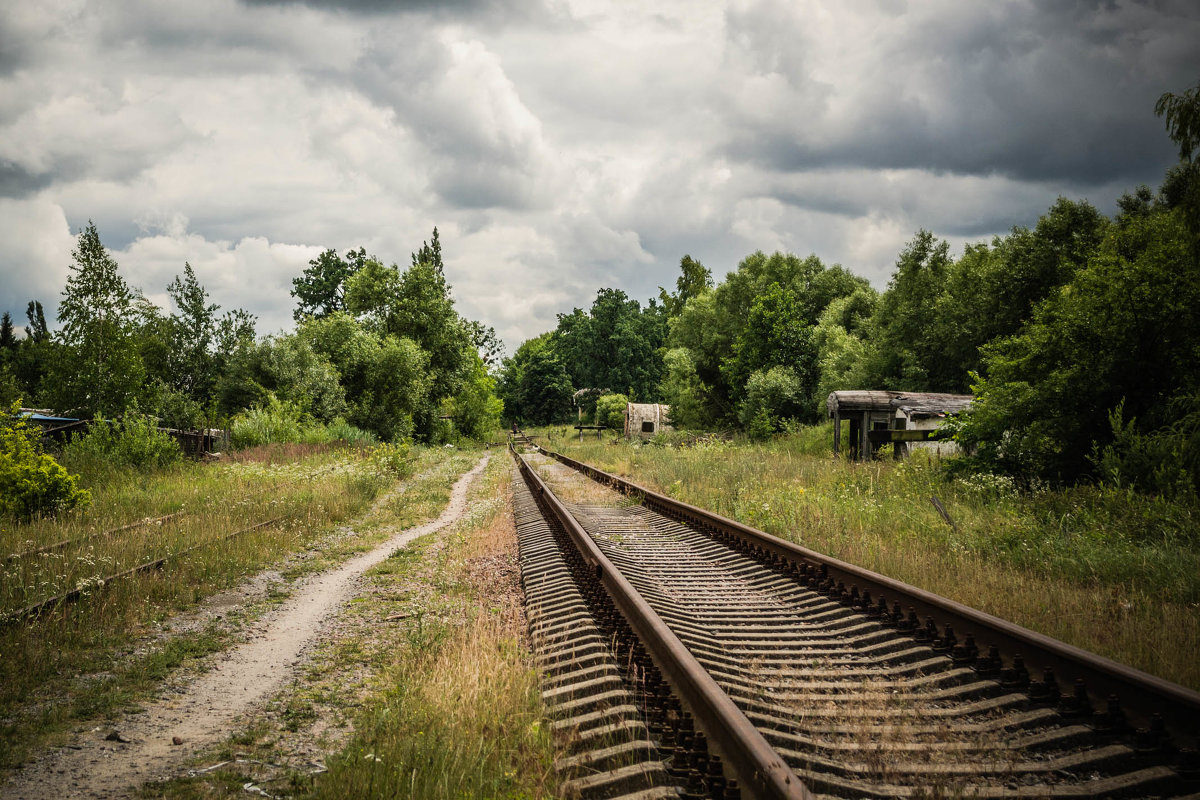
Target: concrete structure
<point>873,410</point>
<point>646,419</point>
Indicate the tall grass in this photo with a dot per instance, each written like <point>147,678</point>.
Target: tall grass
<point>78,662</point>
<point>459,714</point>
<point>1108,570</point>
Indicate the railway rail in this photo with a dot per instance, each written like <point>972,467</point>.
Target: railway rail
<point>759,668</point>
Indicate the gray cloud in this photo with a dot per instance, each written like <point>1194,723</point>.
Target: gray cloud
<point>559,147</point>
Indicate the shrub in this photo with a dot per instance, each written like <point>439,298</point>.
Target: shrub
<point>275,423</point>
<point>774,395</point>
<point>132,441</point>
<point>32,482</point>
<point>341,431</point>
<point>395,458</point>
<point>610,410</point>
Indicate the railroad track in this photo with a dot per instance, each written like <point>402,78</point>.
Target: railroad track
<point>818,678</point>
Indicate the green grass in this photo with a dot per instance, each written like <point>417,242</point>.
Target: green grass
<point>93,658</point>
<point>459,714</point>
<point>1107,570</point>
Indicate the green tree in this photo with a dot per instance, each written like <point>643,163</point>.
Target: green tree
<point>683,390</point>
<point>1125,331</point>
<point>694,280</point>
<point>321,289</point>
<point>476,410</point>
<point>98,370</point>
<point>430,254</point>
<point>776,334</point>
<point>193,332</point>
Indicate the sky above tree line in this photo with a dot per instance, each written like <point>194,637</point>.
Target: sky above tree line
<point>559,146</point>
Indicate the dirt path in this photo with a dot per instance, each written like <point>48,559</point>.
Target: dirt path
<point>205,711</point>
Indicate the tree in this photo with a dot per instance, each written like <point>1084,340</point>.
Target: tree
<point>321,289</point>
<point>694,280</point>
<point>98,371</point>
<point>430,254</point>
<point>36,329</point>
<point>1124,332</point>
<point>8,341</point>
<point>1181,188</point>
<point>775,334</point>
<point>903,355</point>
<point>192,336</point>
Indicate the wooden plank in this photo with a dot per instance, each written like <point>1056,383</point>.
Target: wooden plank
<point>883,437</point>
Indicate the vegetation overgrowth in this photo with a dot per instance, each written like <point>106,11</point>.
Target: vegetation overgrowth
<point>1108,569</point>
<point>93,657</point>
<point>457,711</point>
<point>1077,335</point>
<point>379,354</point>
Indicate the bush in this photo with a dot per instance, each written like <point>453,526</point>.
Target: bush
<point>772,398</point>
<point>610,410</point>
<point>275,423</point>
<point>1163,462</point>
<point>132,441</point>
<point>394,459</point>
<point>32,482</point>
<point>341,431</point>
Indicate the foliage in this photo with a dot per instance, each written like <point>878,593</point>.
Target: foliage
<point>610,410</point>
<point>535,387</point>
<point>32,483</point>
<point>614,346</point>
<point>773,397</point>
<point>1125,328</point>
<point>132,441</point>
<point>98,370</point>
<point>192,334</point>
<point>394,458</point>
<point>683,391</point>
<point>694,280</point>
<point>321,290</point>
<point>275,422</point>
<point>1163,462</point>
<point>476,410</point>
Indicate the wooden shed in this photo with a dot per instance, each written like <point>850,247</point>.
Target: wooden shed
<point>646,419</point>
<point>875,410</point>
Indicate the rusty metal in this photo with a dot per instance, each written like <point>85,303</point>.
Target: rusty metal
<point>1146,700</point>
<point>33,611</point>
<point>760,771</point>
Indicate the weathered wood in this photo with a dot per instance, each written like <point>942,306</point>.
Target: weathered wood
<point>883,437</point>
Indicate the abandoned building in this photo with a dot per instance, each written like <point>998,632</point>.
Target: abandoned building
<point>646,419</point>
<point>877,417</point>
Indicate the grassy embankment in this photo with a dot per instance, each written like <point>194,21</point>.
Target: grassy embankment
<point>1104,569</point>
<point>425,690</point>
<point>88,660</point>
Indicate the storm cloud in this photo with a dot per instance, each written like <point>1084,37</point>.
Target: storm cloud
<point>559,147</point>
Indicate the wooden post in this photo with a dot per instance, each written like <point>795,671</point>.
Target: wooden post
<point>837,433</point>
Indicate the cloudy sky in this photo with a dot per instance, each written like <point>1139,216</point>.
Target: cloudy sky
<point>559,147</point>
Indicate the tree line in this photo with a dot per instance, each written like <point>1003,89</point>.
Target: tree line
<point>378,348</point>
<point>1078,335</point>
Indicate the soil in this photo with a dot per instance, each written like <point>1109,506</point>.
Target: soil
<point>115,759</point>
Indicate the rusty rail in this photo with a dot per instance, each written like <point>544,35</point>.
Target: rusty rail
<point>60,545</point>
<point>1128,695</point>
<point>33,611</point>
<point>761,772</point>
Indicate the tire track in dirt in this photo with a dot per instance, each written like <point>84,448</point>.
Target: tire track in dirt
<point>205,711</point>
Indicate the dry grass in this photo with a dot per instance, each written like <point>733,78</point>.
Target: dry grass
<point>96,656</point>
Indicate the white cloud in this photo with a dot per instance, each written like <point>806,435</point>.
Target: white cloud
<point>567,147</point>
